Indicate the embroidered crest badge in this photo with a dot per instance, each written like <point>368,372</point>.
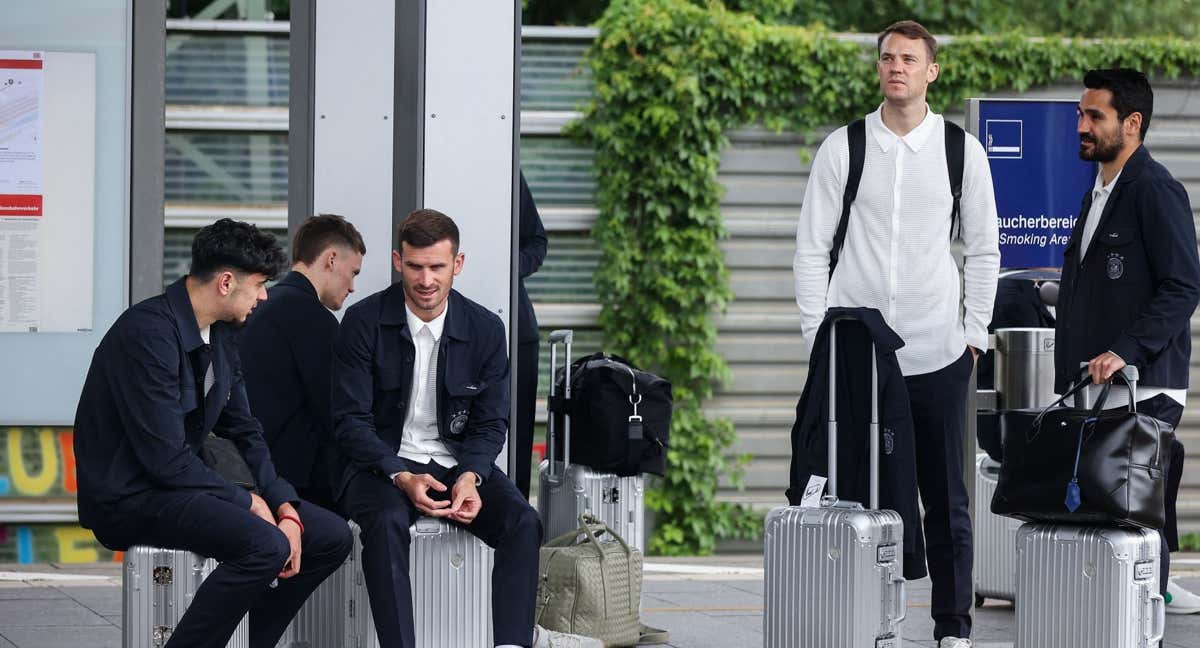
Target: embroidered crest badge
<point>1115,267</point>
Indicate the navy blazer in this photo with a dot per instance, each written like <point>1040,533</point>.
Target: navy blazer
<point>532,244</point>
<point>130,433</point>
<point>1139,282</point>
<point>287,359</point>
<point>372,380</point>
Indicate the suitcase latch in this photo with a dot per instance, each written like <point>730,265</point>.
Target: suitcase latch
<point>885,554</point>
<point>1143,570</point>
<point>886,642</point>
<point>612,495</point>
<point>160,635</point>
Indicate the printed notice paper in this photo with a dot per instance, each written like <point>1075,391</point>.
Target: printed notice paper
<point>22,102</point>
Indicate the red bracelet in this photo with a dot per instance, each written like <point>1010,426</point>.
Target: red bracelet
<point>293,518</point>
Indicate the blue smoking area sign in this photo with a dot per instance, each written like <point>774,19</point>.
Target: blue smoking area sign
<point>1033,151</point>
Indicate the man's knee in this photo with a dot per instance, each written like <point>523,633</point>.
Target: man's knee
<point>389,525</point>
<point>266,554</point>
<point>528,526</point>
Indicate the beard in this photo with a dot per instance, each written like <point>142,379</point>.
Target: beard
<point>1103,150</point>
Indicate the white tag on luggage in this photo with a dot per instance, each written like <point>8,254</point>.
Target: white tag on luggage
<point>812,492</point>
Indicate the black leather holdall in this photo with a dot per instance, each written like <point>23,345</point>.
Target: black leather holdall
<point>1086,465</point>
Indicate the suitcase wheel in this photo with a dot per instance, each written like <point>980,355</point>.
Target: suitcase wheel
<point>979,601</point>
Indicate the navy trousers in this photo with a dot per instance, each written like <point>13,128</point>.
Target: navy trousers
<point>939,409</point>
<point>1163,408</point>
<point>505,522</point>
<point>527,380</point>
<point>251,553</point>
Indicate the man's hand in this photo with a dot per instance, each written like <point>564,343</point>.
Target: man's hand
<point>1103,366</point>
<point>417,488</point>
<point>258,506</point>
<point>974,353</point>
<point>465,502</point>
<point>292,531</point>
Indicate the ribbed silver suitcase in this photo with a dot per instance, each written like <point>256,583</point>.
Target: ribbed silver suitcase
<point>451,575</point>
<point>566,490</point>
<point>995,564</point>
<point>157,586</point>
<point>337,614</point>
<point>1087,586</point>
<point>451,572</point>
<point>834,573</point>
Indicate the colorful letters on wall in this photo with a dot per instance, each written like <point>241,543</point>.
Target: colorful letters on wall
<point>37,462</point>
<point>45,543</point>
<point>40,463</point>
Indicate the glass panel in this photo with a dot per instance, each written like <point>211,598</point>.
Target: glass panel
<point>227,69</point>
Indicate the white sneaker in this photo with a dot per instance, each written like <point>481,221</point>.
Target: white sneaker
<point>543,638</point>
<point>1181,601</point>
<point>954,642</point>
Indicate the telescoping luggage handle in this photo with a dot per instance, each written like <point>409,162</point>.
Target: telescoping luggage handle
<point>564,337</point>
<point>1127,374</point>
<point>832,423</point>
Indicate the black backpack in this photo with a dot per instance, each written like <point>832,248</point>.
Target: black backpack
<point>608,394</point>
<point>856,136</point>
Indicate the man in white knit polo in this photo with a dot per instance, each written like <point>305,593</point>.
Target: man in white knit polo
<point>896,257</point>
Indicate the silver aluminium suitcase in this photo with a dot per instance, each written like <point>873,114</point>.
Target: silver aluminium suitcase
<point>451,575</point>
<point>834,573</point>
<point>1087,586</point>
<point>995,562</point>
<point>337,614</point>
<point>566,490</point>
<point>157,586</point>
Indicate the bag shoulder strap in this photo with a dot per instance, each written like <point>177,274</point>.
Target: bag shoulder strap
<point>956,143</point>
<point>856,138</point>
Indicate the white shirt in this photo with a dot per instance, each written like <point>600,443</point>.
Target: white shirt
<point>897,254</point>
<point>420,442</point>
<point>1118,396</point>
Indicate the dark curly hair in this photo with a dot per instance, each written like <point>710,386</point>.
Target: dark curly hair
<point>233,245</point>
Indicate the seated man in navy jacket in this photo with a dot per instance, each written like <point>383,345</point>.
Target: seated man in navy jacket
<point>164,377</point>
<point>420,411</point>
<point>287,352</point>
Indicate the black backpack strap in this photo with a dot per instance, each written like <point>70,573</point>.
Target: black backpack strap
<point>956,143</point>
<point>856,137</point>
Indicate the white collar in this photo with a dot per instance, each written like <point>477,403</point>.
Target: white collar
<point>915,138</point>
<point>1105,189</point>
<point>435,326</point>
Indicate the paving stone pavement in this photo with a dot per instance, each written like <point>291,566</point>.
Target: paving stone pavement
<point>716,603</point>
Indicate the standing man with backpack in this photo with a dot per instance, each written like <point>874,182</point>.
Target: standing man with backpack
<point>886,197</point>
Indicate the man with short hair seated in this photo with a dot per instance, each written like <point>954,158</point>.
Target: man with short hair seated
<point>420,411</point>
<point>165,376</point>
<point>287,352</point>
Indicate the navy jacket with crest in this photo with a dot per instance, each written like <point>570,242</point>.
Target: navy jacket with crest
<point>1139,282</point>
<point>372,380</point>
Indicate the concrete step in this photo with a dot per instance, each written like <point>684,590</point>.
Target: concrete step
<point>755,410</point>
<point>763,283</point>
<point>763,473</point>
<point>782,348</point>
<point>774,313</point>
<point>772,443</point>
<point>757,252</point>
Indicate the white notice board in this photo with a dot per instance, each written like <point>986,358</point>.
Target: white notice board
<point>47,190</point>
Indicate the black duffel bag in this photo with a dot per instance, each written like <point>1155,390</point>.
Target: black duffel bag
<point>620,416</point>
<point>1086,466</point>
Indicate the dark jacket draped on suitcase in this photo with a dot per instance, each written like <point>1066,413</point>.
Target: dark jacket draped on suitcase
<point>897,460</point>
